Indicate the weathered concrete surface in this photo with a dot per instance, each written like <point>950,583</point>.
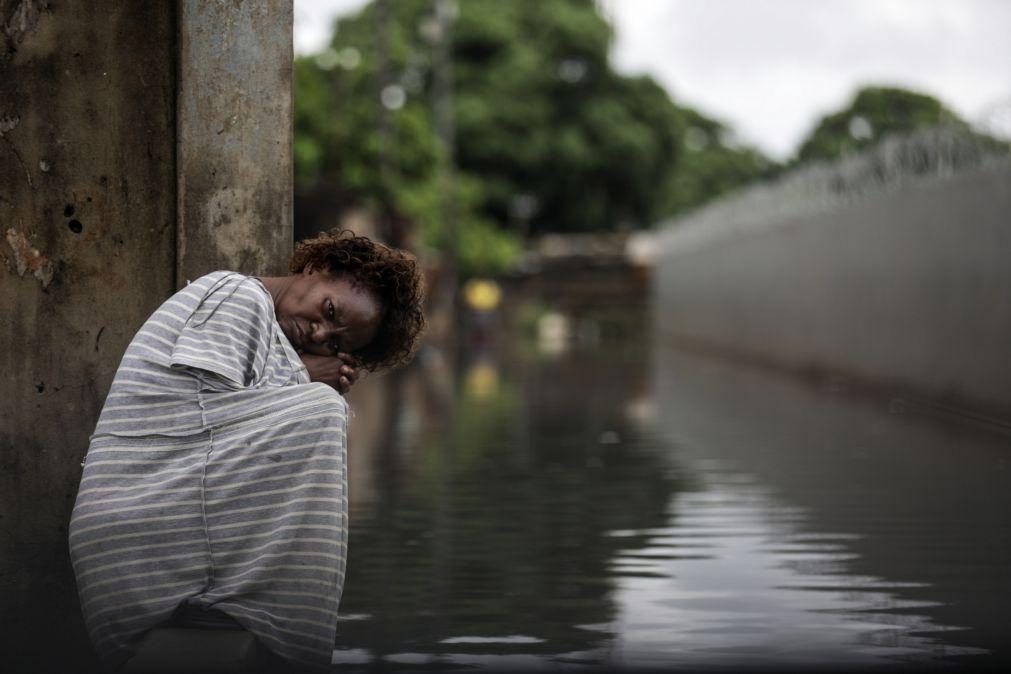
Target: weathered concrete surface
<point>87,230</point>
<point>124,126</point>
<point>904,285</point>
<point>235,160</point>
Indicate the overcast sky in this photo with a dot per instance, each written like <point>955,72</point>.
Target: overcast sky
<point>770,68</point>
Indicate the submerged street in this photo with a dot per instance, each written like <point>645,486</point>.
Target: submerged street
<point>626,505</point>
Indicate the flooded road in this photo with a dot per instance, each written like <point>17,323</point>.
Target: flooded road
<point>624,506</point>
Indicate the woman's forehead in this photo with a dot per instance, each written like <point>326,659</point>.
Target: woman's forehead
<point>354,293</point>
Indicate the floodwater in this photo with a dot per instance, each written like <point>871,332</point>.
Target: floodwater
<point>621,505</point>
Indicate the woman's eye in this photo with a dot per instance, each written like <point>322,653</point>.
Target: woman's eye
<point>331,314</point>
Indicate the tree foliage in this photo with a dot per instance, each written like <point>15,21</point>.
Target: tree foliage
<point>548,137</point>
<point>874,113</point>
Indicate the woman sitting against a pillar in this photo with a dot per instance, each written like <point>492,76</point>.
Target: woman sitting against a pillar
<point>216,480</point>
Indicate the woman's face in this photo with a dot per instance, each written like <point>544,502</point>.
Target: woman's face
<point>324,314</point>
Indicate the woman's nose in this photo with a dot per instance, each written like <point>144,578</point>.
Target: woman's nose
<point>322,332</point>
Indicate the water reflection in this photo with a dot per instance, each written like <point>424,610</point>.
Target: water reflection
<point>550,512</point>
<point>761,592</point>
<point>917,512</point>
<point>493,548</point>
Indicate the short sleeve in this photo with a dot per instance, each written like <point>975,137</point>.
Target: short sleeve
<point>225,342</point>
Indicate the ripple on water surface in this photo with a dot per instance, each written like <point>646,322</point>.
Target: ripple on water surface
<point>522,540</point>
<point>758,592</point>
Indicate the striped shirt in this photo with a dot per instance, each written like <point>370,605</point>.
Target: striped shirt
<point>216,476</point>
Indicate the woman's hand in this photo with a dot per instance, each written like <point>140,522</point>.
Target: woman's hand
<point>339,372</point>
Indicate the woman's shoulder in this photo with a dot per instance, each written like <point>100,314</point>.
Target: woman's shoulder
<point>225,283</point>
<point>218,289</point>
<point>218,279</point>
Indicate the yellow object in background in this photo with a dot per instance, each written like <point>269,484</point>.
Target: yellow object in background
<point>481,381</point>
<point>482,294</point>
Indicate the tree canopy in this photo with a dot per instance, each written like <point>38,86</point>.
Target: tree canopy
<point>873,113</point>
<point>549,138</point>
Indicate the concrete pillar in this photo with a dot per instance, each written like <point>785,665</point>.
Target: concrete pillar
<point>234,137</point>
<point>141,144</point>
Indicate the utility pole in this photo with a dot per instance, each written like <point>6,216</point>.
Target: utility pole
<point>384,131</point>
<point>445,129</point>
<point>444,309</point>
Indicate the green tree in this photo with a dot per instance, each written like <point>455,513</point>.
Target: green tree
<point>548,137</point>
<point>562,142</point>
<point>339,151</point>
<point>712,163</point>
<point>873,113</point>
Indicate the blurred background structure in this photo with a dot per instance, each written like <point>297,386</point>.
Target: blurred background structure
<point>747,304</point>
<point>553,128</point>
<point>716,373</point>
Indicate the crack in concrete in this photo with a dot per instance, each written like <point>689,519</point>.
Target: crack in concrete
<point>21,161</point>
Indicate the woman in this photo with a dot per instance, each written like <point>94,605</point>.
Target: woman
<point>216,477</point>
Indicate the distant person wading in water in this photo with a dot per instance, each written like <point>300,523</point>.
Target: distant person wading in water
<point>216,477</point>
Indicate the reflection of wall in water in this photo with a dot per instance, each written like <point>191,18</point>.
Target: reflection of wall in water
<point>929,502</point>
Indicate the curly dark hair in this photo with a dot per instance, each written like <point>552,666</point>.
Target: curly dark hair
<point>392,274</point>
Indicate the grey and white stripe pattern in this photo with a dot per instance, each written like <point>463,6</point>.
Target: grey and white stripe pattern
<point>216,476</point>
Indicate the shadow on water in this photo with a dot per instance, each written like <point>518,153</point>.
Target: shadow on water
<point>610,508</point>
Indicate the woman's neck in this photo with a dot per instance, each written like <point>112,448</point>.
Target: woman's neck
<point>277,286</point>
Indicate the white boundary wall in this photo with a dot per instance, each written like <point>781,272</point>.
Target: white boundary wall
<point>893,267</point>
